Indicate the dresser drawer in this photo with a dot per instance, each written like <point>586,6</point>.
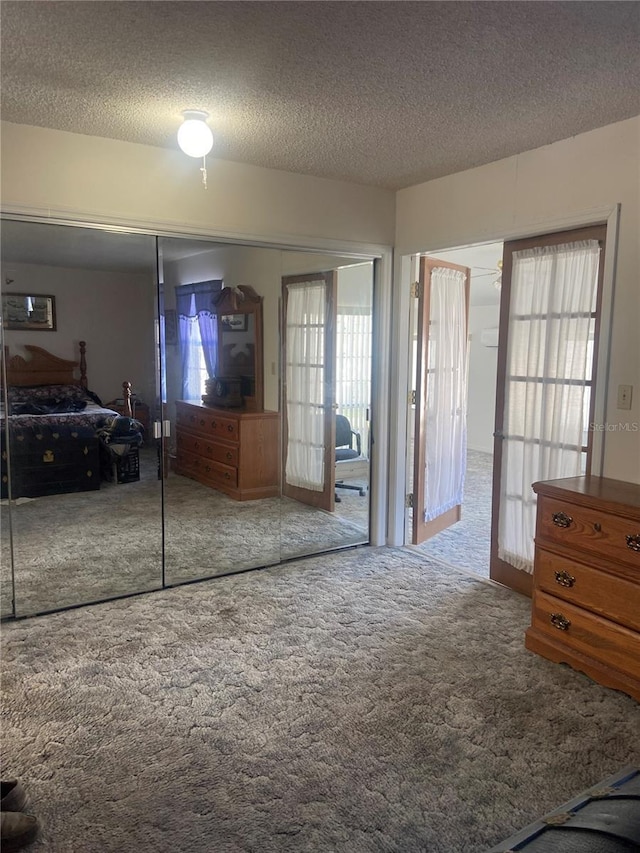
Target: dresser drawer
<point>591,635</point>
<point>608,595</point>
<point>589,530</point>
<point>225,453</point>
<point>206,470</point>
<point>207,423</point>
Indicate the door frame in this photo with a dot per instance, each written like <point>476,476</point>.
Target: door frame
<point>401,375</point>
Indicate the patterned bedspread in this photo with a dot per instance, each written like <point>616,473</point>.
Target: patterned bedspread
<point>92,416</point>
<point>51,406</point>
<point>53,437</point>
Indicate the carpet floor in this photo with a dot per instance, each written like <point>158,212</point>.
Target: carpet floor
<point>467,544</point>
<point>365,701</point>
<point>89,546</point>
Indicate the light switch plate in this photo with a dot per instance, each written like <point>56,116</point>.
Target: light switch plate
<point>624,396</point>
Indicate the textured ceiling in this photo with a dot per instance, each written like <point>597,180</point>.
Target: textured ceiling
<point>384,93</point>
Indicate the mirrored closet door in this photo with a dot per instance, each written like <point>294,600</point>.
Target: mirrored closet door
<point>81,491</point>
<point>228,505</point>
<point>162,402</point>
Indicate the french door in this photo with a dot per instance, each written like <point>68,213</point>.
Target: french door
<point>441,393</point>
<point>309,353</point>
<point>549,323</point>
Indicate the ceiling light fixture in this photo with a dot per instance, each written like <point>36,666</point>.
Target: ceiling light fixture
<point>195,137</point>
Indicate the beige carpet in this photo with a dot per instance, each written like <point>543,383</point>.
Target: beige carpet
<point>467,544</point>
<point>89,546</point>
<point>367,701</point>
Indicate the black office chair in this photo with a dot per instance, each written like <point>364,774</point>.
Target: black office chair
<point>345,437</point>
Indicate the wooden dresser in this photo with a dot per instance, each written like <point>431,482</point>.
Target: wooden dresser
<point>586,584</point>
<point>231,450</point>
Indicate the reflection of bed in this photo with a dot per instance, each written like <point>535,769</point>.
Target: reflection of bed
<point>50,445</point>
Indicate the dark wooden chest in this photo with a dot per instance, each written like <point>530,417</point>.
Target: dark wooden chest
<point>603,819</point>
<point>50,461</point>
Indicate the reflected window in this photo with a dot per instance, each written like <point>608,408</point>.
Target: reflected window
<point>197,335</point>
<point>354,335</point>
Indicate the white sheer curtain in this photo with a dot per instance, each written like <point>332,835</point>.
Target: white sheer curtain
<point>353,369</point>
<point>354,336</point>
<point>446,414</point>
<point>305,372</point>
<point>548,377</point>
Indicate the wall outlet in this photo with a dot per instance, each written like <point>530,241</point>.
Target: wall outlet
<point>624,396</point>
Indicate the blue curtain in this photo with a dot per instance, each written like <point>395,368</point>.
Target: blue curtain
<point>197,334</point>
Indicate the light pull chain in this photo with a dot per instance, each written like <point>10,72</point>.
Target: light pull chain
<point>203,169</point>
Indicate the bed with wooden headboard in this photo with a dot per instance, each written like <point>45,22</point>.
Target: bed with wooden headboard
<point>50,432</point>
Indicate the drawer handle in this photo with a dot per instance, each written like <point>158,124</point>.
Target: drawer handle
<point>561,519</point>
<point>633,541</point>
<point>560,622</point>
<point>565,579</point>
<point>229,456</point>
<point>196,444</point>
<point>230,427</point>
<point>227,476</point>
<point>214,424</point>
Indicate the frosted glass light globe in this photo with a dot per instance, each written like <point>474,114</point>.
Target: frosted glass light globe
<point>194,135</point>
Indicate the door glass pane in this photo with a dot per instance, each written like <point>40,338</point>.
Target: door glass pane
<point>445,431</point>
<point>83,493</point>
<point>305,324</point>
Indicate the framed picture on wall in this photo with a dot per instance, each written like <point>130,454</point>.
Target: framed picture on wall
<point>170,327</point>
<point>29,313</point>
<point>234,322</point>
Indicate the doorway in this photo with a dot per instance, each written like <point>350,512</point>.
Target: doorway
<point>545,391</point>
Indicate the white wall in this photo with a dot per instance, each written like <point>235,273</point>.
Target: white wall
<point>483,364</point>
<point>355,286</point>
<point>105,179</point>
<point>112,312</point>
<point>536,192</point>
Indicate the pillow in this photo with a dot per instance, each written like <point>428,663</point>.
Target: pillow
<point>38,393</point>
<point>53,406</point>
